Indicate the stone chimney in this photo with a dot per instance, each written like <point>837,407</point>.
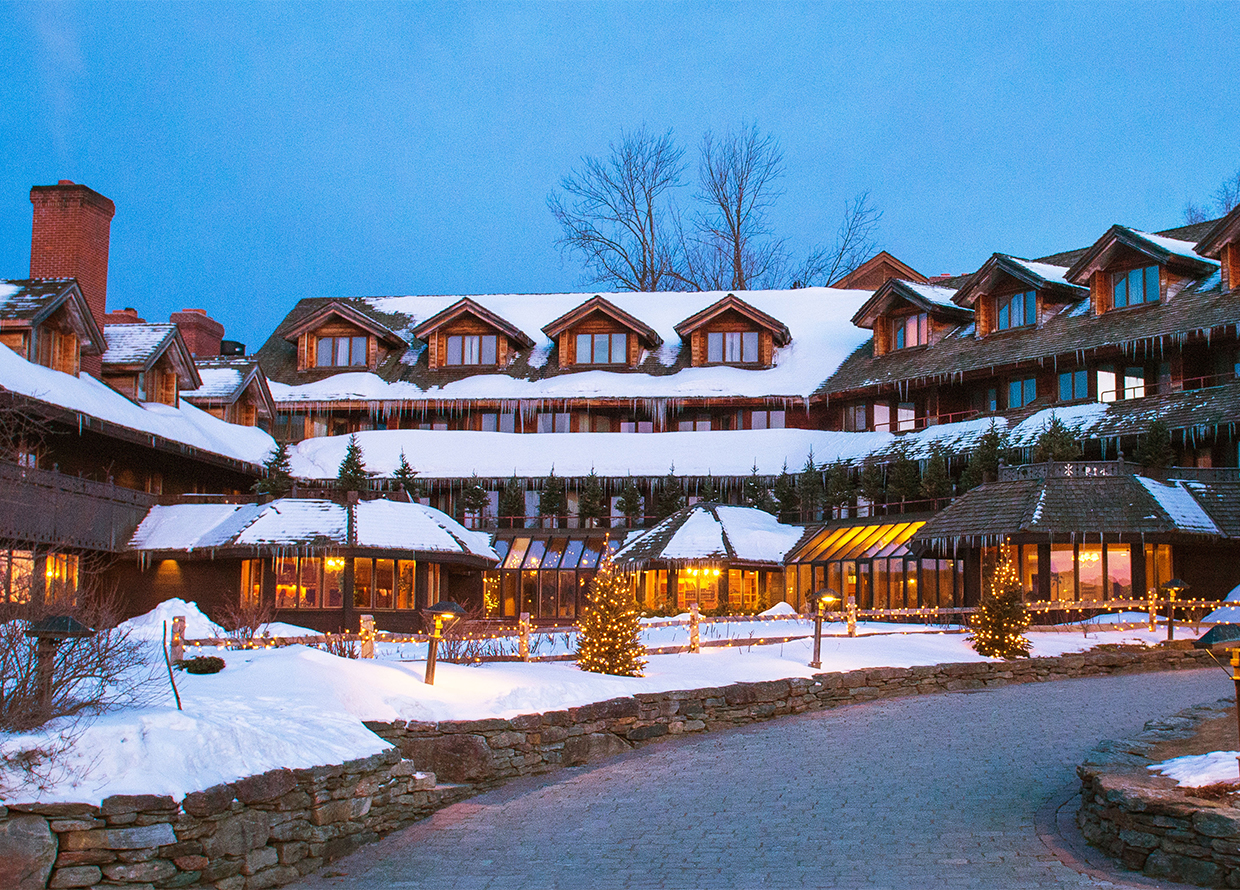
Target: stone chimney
<point>69,239</point>
<point>201,332</point>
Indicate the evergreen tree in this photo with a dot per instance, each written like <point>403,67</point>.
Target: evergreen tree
<point>1001,618</point>
<point>839,487</point>
<point>984,461</point>
<point>936,481</point>
<point>669,495</point>
<point>708,490</point>
<point>404,476</point>
<point>592,504</point>
<point>609,631</point>
<point>787,500</point>
<point>553,499</point>
<point>279,479</point>
<point>512,504</point>
<point>474,499</point>
<point>1056,442</point>
<point>754,493</point>
<point>352,474</point>
<point>873,484</point>
<point>813,492</point>
<point>1155,449</point>
<point>630,503</point>
<point>903,476</point>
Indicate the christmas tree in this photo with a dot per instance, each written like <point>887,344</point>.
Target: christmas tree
<point>903,476</point>
<point>839,489</point>
<point>630,503</point>
<point>553,499</point>
<point>1001,619</point>
<point>708,489</point>
<point>352,474</point>
<point>873,484</point>
<point>404,476</point>
<point>786,497</point>
<point>1155,449</point>
<point>512,504</point>
<point>279,479</point>
<point>592,505</point>
<point>474,500</point>
<point>608,634</point>
<point>984,461</point>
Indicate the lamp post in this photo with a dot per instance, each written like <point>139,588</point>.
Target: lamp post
<point>49,632</point>
<point>1172,588</point>
<point>820,599</point>
<point>442,612</point>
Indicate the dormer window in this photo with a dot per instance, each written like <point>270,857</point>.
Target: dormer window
<point>1134,287</point>
<point>602,349</point>
<point>471,349</point>
<point>732,347</point>
<point>340,352</point>
<point>1016,310</point>
<point>910,330</point>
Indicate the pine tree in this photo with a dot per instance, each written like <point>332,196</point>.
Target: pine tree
<point>352,474</point>
<point>839,487</point>
<point>474,499</point>
<point>754,493</point>
<point>512,504</point>
<point>609,631</point>
<point>404,476</point>
<point>669,495</point>
<point>630,504</point>
<point>1001,618</point>
<point>903,476</point>
<point>279,479</point>
<point>813,492</point>
<point>873,484</point>
<point>787,499</point>
<point>984,461</point>
<point>553,499</point>
<point>936,481</point>
<point>708,490</point>
<point>592,504</point>
<point>1056,442</point>
<point>1155,449</point>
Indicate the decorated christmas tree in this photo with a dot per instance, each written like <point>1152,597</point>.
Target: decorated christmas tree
<point>352,474</point>
<point>279,479</point>
<point>1000,622</point>
<point>608,633</point>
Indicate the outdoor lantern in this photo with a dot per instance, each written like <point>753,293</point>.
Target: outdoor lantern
<point>442,612</point>
<point>1172,588</point>
<point>821,599</point>
<point>49,632</point>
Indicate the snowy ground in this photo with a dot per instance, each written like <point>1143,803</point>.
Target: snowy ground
<point>300,707</point>
<point>1196,770</point>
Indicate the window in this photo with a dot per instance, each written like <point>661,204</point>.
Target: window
<point>508,423</point>
<point>910,330</point>
<point>471,349</point>
<point>488,423</point>
<point>906,416</point>
<point>1016,310</point>
<point>1073,385</point>
<point>1022,392</point>
<point>732,347</point>
<point>986,399</point>
<point>341,352</point>
<point>602,349</point>
<point>882,417</point>
<point>637,426</point>
<point>766,420</point>
<point>702,422</point>
<point>854,418</point>
<point>1120,383</point>
<point>16,573</point>
<point>557,422</point>
<point>1134,287</point>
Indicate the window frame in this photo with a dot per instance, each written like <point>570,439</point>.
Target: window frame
<point>734,347</point>
<point>334,344</point>
<point>1003,318</point>
<point>1124,277</point>
<point>1021,386</point>
<point>470,350</point>
<point>901,325</point>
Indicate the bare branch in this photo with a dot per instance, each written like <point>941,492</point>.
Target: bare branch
<point>854,243</point>
<point>1224,200</point>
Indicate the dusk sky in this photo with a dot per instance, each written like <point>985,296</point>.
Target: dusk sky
<point>260,153</point>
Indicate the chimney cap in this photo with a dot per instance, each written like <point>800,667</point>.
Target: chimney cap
<point>196,311</point>
<point>66,182</point>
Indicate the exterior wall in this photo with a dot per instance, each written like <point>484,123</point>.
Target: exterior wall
<point>307,345</point>
<point>596,323</point>
<point>1230,258</point>
<point>730,321</point>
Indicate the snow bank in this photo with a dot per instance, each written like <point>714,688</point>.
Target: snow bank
<point>151,625</point>
<point>1196,770</point>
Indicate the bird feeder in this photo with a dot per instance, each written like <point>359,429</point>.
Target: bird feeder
<point>49,632</point>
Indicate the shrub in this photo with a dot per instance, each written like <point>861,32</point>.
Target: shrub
<point>202,664</point>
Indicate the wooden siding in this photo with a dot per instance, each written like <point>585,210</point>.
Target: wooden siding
<point>597,323</point>
<point>731,321</point>
<point>308,343</point>
<point>1229,256</point>
<point>463,325</point>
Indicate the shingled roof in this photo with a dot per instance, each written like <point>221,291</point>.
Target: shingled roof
<point>714,533</point>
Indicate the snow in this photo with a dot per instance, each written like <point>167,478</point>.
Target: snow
<point>941,296</point>
<point>1045,271</point>
<point>757,536</point>
<point>217,383</point>
<point>134,344</point>
<point>1077,418</point>
<point>1227,614</point>
<point>1179,504</point>
<point>1196,770</point>
<point>1181,248</point>
<point>700,537</point>
<point>186,424</point>
<point>8,291</point>
<point>396,525</point>
<point>150,626</point>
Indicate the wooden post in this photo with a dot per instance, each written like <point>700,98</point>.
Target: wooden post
<point>523,631</point>
<point>177,643</point>
<point>1153,610</point>
<point>852,614</point>
<point>695,639</point>
<point>368,636</point>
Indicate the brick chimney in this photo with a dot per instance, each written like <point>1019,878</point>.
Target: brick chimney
<point>201,332</point>
<point>128,315</point>
<point>69,239</point>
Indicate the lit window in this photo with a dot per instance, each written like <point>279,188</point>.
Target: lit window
<point>1124,383</point>
<point>1015,311</point>
<point>732,347</point>
<point>341,352</point>
<point>602,349</point>
<point>471,349</point>
<point>1134,287</point>
<point>910,330</point>
<point>1073,385</point>
<point>906,416</point>
<point>882,417</point>
<point>1022,392</point>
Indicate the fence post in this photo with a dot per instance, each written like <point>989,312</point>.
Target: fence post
<point>177,643</point>
<point>523,640</point>
<point>852,614</point>
<point>695,639</point>
<point>1153,609</point>
<point>368,636</point>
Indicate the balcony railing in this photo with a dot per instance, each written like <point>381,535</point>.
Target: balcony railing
<point>47,508</point>
<point>1084,469</point>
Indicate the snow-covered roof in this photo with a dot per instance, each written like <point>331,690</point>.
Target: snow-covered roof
<point>933,293</point>
<point>1186,249</point>
<point>186,424</point>
<point>135,344</point>
<point>1178,503</point>
<point>217,383</point>
<point>1045,271</point>
<point>715,532</point>
<point>307,522</point>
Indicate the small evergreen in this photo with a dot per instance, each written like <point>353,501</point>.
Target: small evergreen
<point>631,504</point>
<point>1155,449</point>
<point>609,631</point>
<point>669,495</point>
<point>936,481</point>
<point>553,499</point>
<point>811,489</point>
<point>352,474</point>
<point>1056,442</point>
<point>754,493</point>
<point>279,479</point>
<point>787,500</point>
<point>475,500</point>
<point>708,489</point>
<point>903,476</point>
<point>984,461</point>
<point>512,504</point>
<point>404,476</point>
<point>839,486</point>
<point>873,485</point>
<point>1001,619</point>
<point>592,504</point>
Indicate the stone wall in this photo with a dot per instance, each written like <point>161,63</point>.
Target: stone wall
<point>268,830</point>
<point>1141,819</point>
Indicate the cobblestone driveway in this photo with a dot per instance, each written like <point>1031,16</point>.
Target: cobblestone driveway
<point>932,792</point>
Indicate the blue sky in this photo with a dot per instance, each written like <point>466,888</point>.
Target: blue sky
<point>259,153</point>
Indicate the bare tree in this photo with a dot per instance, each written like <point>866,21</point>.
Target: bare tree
<point>1225,199</point>
<point>615,212</point>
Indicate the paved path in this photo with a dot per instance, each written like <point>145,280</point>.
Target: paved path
<point>933,792</point>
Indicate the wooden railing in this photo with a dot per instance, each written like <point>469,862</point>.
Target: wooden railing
<point>47,507</point>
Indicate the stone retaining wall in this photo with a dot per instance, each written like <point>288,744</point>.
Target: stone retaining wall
<point>268,830</point>
<point>1139,817</point>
